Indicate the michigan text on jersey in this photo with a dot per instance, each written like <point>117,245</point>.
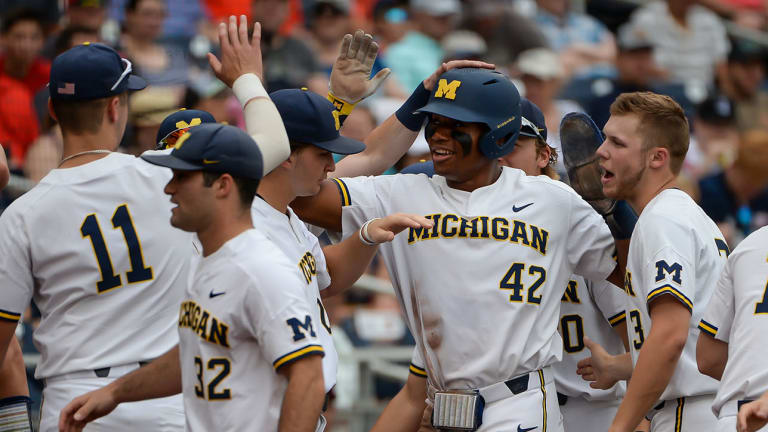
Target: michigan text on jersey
<point>200,321</point>
<point>482,227</point>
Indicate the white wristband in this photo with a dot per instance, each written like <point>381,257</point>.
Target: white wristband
<point>248,86</point>
<point>363,234</point>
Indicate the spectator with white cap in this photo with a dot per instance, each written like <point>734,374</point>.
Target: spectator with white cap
<point>419,53</point>
<point>542,74</point>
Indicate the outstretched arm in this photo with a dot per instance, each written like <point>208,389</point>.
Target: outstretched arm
<point>241,69</point>
<point>403,413</point>
<point>160,378</point>
<point>348,260</point>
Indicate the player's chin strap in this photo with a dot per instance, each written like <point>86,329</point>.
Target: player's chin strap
<point>15,415</point>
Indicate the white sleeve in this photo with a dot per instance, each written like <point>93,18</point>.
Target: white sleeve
<point>16,283</point>
<point>672,252</point>
<point>417,364</point>
<point>590,243</point>
<point>323,277</point>
<point>262,121</point>
<point>281,320</point>
<point>362,199</point>
<point>610,300</point>
<point>718,317</point>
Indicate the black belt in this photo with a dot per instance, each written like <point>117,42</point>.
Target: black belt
<point>104,372</point>
<point>518,385</point>
<point>562,399</point>
<point>742,402</point>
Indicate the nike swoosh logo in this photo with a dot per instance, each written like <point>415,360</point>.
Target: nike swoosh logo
<point>517,209</point>
<point>206,161</point>
<point>213,294</point>
<point>520,429</point>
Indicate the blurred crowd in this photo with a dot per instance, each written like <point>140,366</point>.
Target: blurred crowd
<point>564,55</point>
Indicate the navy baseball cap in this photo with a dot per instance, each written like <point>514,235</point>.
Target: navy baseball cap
<point>179,123</point>
<point>309,118</point>
<point>91,71</point>
<point>213,148</point>
<point>533,123</point>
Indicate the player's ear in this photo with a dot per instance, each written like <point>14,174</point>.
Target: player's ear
<point>50,110</point>
<point>659,157</point>
<point>113,108</point>
<point>543,155</point>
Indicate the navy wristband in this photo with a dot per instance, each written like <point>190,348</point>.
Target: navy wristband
<point>417,100</point>
<point>621,220</point>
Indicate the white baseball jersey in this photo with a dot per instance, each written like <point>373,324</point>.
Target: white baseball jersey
<point>245,317</point>
<point>675,250</point>
<point>302,248</point>
<point>738,315</point>
<point>94,247</point>
<point>481,289</point>
<point>588,309</point>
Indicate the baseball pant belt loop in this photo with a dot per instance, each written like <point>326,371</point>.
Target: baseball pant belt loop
<point>732,407</point>
<point>112,372</point>
<point>519,384</point>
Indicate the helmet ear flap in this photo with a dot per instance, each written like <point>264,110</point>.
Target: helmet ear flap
<point>492,149</point>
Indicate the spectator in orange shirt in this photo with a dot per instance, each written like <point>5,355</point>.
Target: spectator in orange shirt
<point>18,121</point>
<point>21,40</point>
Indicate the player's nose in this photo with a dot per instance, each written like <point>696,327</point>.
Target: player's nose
<point>602,151</point>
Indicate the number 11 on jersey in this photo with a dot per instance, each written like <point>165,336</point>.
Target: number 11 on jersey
<point>121,219</point>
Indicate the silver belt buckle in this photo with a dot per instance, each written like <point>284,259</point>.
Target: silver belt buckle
<point>460,410</point>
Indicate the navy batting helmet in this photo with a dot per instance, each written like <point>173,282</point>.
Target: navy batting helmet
<point>484,96</point>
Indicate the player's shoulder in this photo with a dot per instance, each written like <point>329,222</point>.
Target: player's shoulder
<point>541,184</point>
<point>752,244</point>
<point>254,254</point>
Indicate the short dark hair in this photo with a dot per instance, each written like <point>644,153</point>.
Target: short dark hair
<point>64,40</point>
<point>22,14</point>
<point>296,145</point>
<point>246,188</point>
<point>82,116</point>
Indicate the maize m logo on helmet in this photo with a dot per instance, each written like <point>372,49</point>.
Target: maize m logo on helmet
<point>447,89</point>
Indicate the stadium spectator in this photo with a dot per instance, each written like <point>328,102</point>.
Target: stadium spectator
<point>390,22</point>
<point>90,14</point>
<point>635,69</point>
<point>715,138</point>
<point>689,40</point>
<point>583,43</point>
<point>507,33</point>
<point>21,40</point>
<point>737,198</point>
<point>18,121</point>
<point>743,83</point>
<point>542,76</point>
<point>159,65</point>
<point>288,62</point>
<point>419,53</point>
<point>464,44</point>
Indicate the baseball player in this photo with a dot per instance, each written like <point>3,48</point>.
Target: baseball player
<point>177,124</point>
<point>675,257</point>
<point>118,253</point>
<point>733,326</point>
<point>14,394</point>
<point>587,308</point>
<point>498,257</point>
<point>235,327</point>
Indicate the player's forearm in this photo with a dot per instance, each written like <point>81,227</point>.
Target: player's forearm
<point>383,148</point>
<point>711,356</point>
<point>158,379</point>
<point>13,375</point>
<point>304,396</point>
<point>346,262</point>
<point>651,375</point>
<point>4,173</point>
<point>403,413</point>
<point>262,120</point>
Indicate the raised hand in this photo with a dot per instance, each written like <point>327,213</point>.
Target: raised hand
<point>385,229</point>
<point>352,68</point>
<point>238,55</point>
<point>430,82</point>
